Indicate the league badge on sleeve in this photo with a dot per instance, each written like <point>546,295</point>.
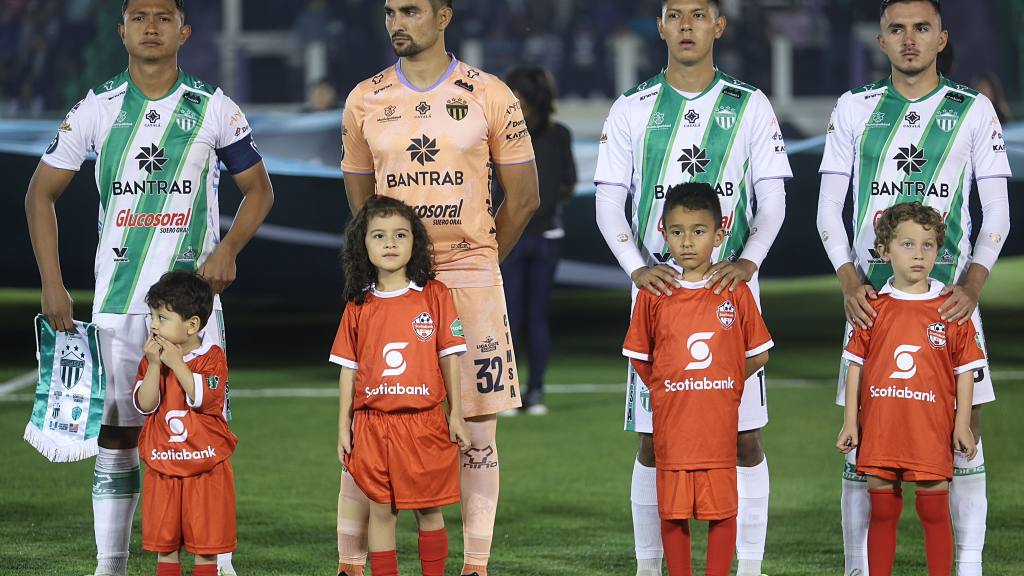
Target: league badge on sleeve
<point>937,335</point>
<point>423,325</point>
<point>726,314</point>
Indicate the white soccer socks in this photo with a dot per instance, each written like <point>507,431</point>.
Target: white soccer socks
<point>752,520</point>
<point>968,506</point>
<point>353,517</point>
<point>224,567</point>
<point>115,494</point>
<point>643,495</point>
<point>856,508</point>
<point>480,489</point>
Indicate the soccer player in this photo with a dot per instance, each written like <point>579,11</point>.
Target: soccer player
<point>159,136</point>
<point>693,123</point>
<point>430,131</point>
<point>189,494</point>
<point>916,136</point>
<point>696,394</point>
<point>914,396</point>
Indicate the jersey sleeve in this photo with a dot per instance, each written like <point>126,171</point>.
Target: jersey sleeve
<point>356,157</point>
<point>615,150</point>
<point>767,147</point>
<point>966,350</point>
<point>235,146</point>
<point>507,136</point>
<point>76,136</point>
<point>639,344</point>
<point>451,338</point>
<point>210,377</point>
<point>756,338</point>
<point>140,375</point>
<point>343,353</point>
<point>988,149</point>
<point>839,150</point>
<point>857,348</point>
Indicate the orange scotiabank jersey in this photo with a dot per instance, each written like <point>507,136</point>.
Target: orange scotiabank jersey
<point>393,341</point>
<point>183,438</point>
<point>691,349</point>
<point>908,386</point>
<point>433,149</point>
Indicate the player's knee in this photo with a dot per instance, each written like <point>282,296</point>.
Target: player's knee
<point>429,519</point>
<point>119,437</point>
<point>749,448</point>
<point>645,449</point>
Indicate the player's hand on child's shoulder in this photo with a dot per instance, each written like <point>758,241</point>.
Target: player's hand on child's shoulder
<point>848,439</point>
<point>658,280</point>
<point>859,311</point>
<point>152,350</point>
<point>726,274</point>
<point>963,441</point>
<point>458,433</point>
<point>960,305</point>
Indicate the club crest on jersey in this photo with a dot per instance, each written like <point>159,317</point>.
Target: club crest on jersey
<point>937,335</point>
<point>186,120</point>
<point>947,120</point>
<point>212,382</point>
<point>72,365</point>
<point>457,108</point>
<point>657,119</point>
<point>423,326</point>
<point>725,117</point>
<point>726,314</point>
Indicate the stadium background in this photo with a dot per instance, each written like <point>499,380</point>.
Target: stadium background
<point>565,487</point>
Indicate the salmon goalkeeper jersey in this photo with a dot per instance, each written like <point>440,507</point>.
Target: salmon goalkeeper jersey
<point>157,173</point>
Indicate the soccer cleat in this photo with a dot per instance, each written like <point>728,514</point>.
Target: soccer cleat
<point>509,412</point>
<point>537,410</point>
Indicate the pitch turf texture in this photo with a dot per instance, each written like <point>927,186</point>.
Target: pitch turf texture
<point>565,476</point>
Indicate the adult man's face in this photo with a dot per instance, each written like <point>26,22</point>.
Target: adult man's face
<point>912,36</point>
<point>414,25</point>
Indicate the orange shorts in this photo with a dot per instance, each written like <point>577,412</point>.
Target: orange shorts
<point>700,494</point>
<point>195,511</point>
<point>894,474</point>
<point>405,458</point>
<point>490,379</point>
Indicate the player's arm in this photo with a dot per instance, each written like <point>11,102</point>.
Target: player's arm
<point>995,227</point>
<point>765,227</point>
<point>46,186</point>
<point>347,387</point>
<point>849,437</point>
<point>522,198</point>
<point>833,236</point>
<point>754,364</point>
<point>963,437</point>
<point>610,205</point>
<point>356,156</point>
<point>358,189</point>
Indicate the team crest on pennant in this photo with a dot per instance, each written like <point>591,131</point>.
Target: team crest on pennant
<point>423,325</point>
<point>726,314</point>
<point>72,365</point>
<point>76,413</point>
<point>457,108</point>
<point>186,120</point>
<point>645,399</point>
<point>212,382</point>
<point>937,335</point>
<point>947,120</point>
<point>725,117</point>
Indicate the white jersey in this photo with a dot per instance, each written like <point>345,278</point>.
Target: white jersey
<point>927,150</point>
<point>655,138</point>
<point>157,173</point>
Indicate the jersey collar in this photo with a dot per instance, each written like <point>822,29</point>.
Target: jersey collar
<point>896,93</point>
<point>204,347</point>
<point>447,74</point>
<point>395,293</point>
<point>710,87</point>
<point>174,88</point>
<point>934,288</point>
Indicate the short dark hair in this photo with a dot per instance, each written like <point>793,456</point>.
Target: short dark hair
<point>536,87</point>
<point>926,216</point>
<point>717,3</point>
<point>179,4</point>
<point>438,4</point>
<point>184,293</point>
<point>694,196</point>
<point>937,4</point>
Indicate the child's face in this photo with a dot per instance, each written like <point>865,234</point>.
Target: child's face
<point>389,242</point>
<point>692,235</point>
<point>169,325</point>
<point>912,252</point>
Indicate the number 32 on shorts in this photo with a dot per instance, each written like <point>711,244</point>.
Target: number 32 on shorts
<point>489,374</point>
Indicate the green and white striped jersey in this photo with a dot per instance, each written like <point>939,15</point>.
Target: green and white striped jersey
<point>655,138</point>
<point>927,150</point>
<point>157,173</point>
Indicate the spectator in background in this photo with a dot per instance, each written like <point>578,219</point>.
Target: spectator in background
<point>990,85</point>
<point>321,97</point>
<point>529,271</point>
